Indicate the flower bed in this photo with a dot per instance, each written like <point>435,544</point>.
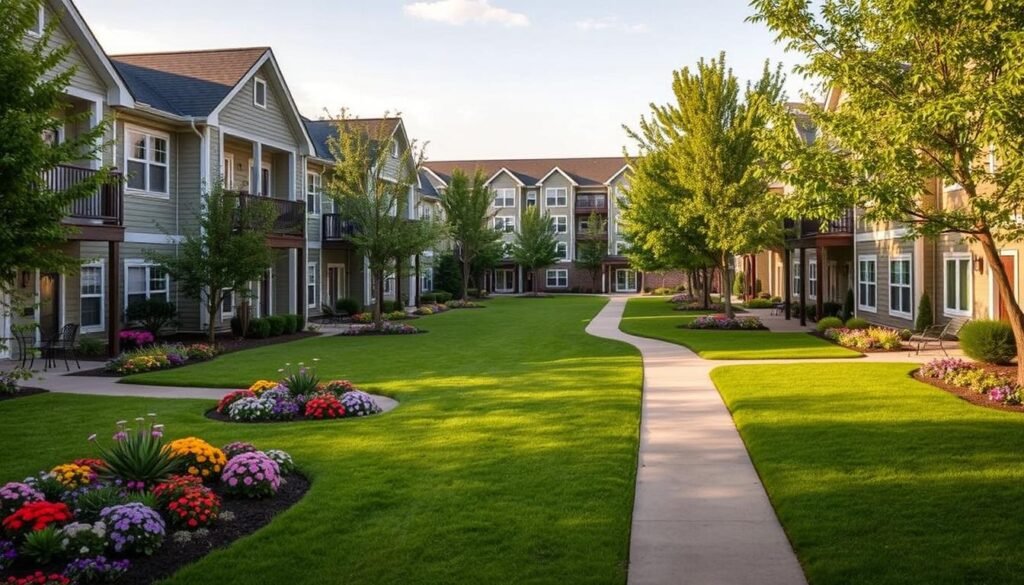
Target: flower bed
<point>135,514</point>
<point>460,304</point>
<point>159,357</point>
<point>870,339</point>
<point>721,322</point>
<point>698,306</point>
<point>386,328</point>
<point>981,384</point>
<point>300,395</point>
<point>431,309</point>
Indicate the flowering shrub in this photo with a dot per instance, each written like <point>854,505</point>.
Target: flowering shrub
<point>324,406</point>
<point>200,352</point>
<point>194,508</point>
<point>96,569</point>
<point>232,450</point>
<point>233,397</point>
<point>72,475</point>
<point>283,406</point>
<point>134,528</point>
<point>8,552</point>
<point>253,475</point>
<point>284,461</point>
<point>870,338</point>
<point>35,516</point>
<point>460,304</point>
<point>958,372</point>
<point>260,386</point>
<point>135,338</point>
<point>387,328</point>
<point>14,495</point>
<point>147,359</point>
<point>250,409</point>
<point>698,306</point>
<point>940,368</point>
<point>201,458</point>
<point>424,311</point>
<point>362,318</point>
<point>358,403</point>
<point>976,380</point>
<point>397,316</point>
<point>80,539</point>
<point>337,387</point>
<point>174,487</point>
<point>39,578</point>
<point>723,322</point>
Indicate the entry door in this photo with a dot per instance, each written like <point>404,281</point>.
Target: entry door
<point>49,304</point>
<point>625,280</point>
<point>334,286</point>
<point>503,280</point>
<point>1009,264</point>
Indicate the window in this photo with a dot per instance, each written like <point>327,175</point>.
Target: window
<point>558,278</point>
<point>556,197</point>
<point>145,281</point>
<point>505,225</point>
<point>957,281</point>
<point>228,172</point>
<point>259,93</point>
<point>504,280</point>
<point>91,276</point>
<point>504,198</point>
<point>394,149</point>
<point>583,224</point>
<point>312,275</point>
<point>560,224</point>
<point>867,285</point>
<point>40,24</point>
<point>427,280</point>
<point>146,161</point>
<point>531,198</point>
<point>797,279</point>
<point>621,247</point>
<point>227,303</point>
<point>812,279</point>
<point>562,250</point>
<point>314,199</point>
<point>900,287</point>
<point>625,280</point>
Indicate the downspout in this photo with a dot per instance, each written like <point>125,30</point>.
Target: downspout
<point>177,226</point>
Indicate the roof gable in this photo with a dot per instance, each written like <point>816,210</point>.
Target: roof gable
<point>585,172</point>
<point>118,93</point>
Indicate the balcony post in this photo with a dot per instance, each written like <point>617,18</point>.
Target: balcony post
<point>787,286</point>
<point>822,267</point>
<point>803,286</point>
<point>114,298</point>
<point>257,169</point>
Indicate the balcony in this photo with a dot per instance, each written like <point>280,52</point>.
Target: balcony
<point>99,216</point>
<point>289,228</point>
<point>592,202</point>
<point>335,229</point>
<point>811,232</point>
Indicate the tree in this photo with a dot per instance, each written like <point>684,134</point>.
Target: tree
<point>446,275</point>
<point>534,246</point>
<point>932,96</point>
<point>373,192</point>
<point>224,253</point>
<point>711,137</point>
<point>593,247</point>
<point>487,259</point>
<point>467,207</point>
<point>32,105</point>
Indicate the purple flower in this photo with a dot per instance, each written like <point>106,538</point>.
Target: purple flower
<point>120,435</point>
<point>358,403</point>
<point>135,528</point>
<point>8,552</point>
<point>15,494</point>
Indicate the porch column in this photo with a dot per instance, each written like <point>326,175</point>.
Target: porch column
<point>822,267</point>
<point>300,292</point>
<point>294,255</point>
<point>255,181</point>
<point>803,286</point>
<point>414,281</point>
<point>419,281</point>
<point>787,285</point>
<point>292,193</point>
<point>752,279</point>
<point>114,298</point>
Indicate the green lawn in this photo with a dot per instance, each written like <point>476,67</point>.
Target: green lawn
<point>654,317</point>
<point>511,458</point>
<point>879,479</point>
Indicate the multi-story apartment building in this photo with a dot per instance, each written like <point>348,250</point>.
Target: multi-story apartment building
<point>568,190</point>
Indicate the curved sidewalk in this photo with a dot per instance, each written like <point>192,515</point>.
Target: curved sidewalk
<point>701,515</point>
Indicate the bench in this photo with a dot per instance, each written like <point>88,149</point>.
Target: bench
<point>939,333</point>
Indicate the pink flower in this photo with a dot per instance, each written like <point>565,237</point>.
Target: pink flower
<point>233,481</point>
<point>247,480</point>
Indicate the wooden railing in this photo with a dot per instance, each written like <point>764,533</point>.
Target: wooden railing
<point>592,202</point>
<point>814,227</point>
<point>105,206</point>
<point>336,229</point>
<point>290,219</point>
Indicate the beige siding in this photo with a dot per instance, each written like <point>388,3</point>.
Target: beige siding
<point>84,77</point>
<point>272,122</point>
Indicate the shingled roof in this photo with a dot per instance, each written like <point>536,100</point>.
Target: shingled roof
<point>585,171</point>
<point>322,130</point>
<point>186,83</point>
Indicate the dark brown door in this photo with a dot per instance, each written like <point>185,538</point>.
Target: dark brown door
<point>1009,264</point>
<point>49,304</point>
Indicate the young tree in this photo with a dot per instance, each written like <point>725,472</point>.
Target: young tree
<point>593,247</point>
<point>932,96</point>
<point>467,206</point>
<point>710,137</point>
<point>224,253</point>
<point>534,246</point>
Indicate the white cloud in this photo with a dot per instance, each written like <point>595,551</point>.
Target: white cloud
<point>460,12</point>
<point>117,41</point>
<point>609,23</point>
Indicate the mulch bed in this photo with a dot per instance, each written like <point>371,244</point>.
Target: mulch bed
<point>973,397</point>
<point>212,414</point>
<point>22,393</point>
<point>688,328</point>
<point>250,516</point>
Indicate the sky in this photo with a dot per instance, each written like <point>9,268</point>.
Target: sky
<point>475,79</point>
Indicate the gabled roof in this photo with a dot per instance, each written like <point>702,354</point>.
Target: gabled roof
<point>187,83</point>
<point>505,171</point>
<point>321,131</point>
<point>805,127</point>
<point>586,172</point>
<point>426,187</point>
<point>118,93</point>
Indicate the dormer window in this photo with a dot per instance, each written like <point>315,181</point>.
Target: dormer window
<point>37,30</point>
<point>394,149</point>
<point>259,93</point>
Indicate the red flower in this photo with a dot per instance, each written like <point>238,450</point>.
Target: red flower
<point>325,406</point>
<point>232,397</point>
<point>195,506</point>
<point>37,514</point>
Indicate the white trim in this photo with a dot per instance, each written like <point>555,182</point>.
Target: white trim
<point>228,178</point>
<point>256,83</point>
<point>312,269</point>
<point>615,284</point>
<point>234,305</point>
<point>624,168</point>
<point>558,272</point>
<point>101,264</point>
<point>40,23</point>
<point>992,284</point>
<point>566,257</point>
<point>227,130</point>
<point>812,269</point>
<point>146,238</point>
<point>547,190</point>
<point>511,280</point>
<point>901,258</point>
<point>881,235</point>
<point>505,220</point>
<point>958,256</point>
<point>500,171</point>
<point>860,304</point>
<point>149,134</point>
<point>558,170</point>
<point>85,94</point>
<point>433,174</point>
<point>118,95</point>
<point>554,223</point>
<point>141,263</point>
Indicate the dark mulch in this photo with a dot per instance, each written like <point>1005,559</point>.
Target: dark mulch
<point>973,397</point>
<point>687,327</point>
<point>820,335</point>
<point>22,393</point>
<point>212,414</point>
<point>250,516</point>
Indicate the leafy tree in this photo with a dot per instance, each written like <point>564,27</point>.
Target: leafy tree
<point>487,259</point>
<point>534,246</point>
<point>224,253</point>
<point>152,314</point>
<point>925,318</point>
<point>931,96</point>
<point>593,247</point>
<point>467,207</point>
<point>446,275</point>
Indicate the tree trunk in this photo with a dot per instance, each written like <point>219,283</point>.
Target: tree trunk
<point>465,278</point>
<point>1002,281</point>
<point>398,283</point>
<point>378,306</point>
<point>211,311</point>
<point>727,263</point>
<point>707,287</point>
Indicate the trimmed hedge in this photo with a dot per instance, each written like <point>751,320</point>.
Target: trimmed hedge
<point>259,328</point>
<point>829,323</point>
<point>290,324</point>
<point>347,306</point>
<point>856,323</point>
<point>276,325</point>
<point>988,341</point>
<point>438,296</point>
<point>759,304</point>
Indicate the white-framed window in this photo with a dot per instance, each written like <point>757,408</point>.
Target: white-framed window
<point>557,278</point>
<point>583,224</point>
<point>145,281</point>
<point>91,295</point>
<point>227,171</point>
<point>867,283</point>
<point>531,198</point>
<point>505,197</point>
<point>40,24</point>
<point>394,149</point>
<point>227,303</point>
<point>314,190</point>
<point>427,280</point>
<point>560,224</point>
<point>812,279</point>
<point>957,285</point>
<point>556,197</point>
<point>625,280</point>
<point>505,225</point>
<point>259,93</point>
<point>312,278</point>
<point>621,247</point>
<point>562,250</point>
<point>797,278</point>
<point>147,160</point>
<point>900,287</point>
<point>504,280</point>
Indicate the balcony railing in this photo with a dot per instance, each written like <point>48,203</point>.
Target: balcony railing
<point>106,206</point>
<point>290,218</point>
<point>336,229</point>
<point>592,202</point>
<point>816,227</point>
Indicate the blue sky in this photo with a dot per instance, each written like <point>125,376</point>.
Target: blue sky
<point>475,78</point>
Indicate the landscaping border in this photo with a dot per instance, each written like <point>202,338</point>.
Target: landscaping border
<point>968,395</point>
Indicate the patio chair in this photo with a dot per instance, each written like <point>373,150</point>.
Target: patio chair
<point>938,334</point>
<point>63,342</point>
<point>330,316</point>
<point>27,348</point>
<point>778,309</point>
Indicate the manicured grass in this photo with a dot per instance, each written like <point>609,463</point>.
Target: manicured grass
<point>511,458</point>
<point>653,317</point>
<point>879,479</point>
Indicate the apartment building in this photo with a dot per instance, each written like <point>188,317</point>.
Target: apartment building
<point>569,190</point>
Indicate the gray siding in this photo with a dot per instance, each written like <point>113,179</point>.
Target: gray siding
<point>84,76</point>
<point>272,122</point>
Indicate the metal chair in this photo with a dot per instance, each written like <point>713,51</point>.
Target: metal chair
<point>938,333</point>
<point>27,347</point>
<point>64,341</point>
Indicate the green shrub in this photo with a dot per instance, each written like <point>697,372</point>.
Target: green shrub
<point>391,306</point>
<point>738,284</point>
<point>662,291</point>
<point>428,298</point>
<point>152,314</point>
<point>776,299</point>
<point>473,292</point>
<point>856,323</point>
<point>236,326</point>
<point>829,323</point>
<point>276,325</point>
<point>290,323</point>
<point>90,347</point>
<point>759,304</point>
<point>988,341</point>
<point>847,306</point>
<point>347,306</point>
<point>925,319</point>
<point>43,546</point>
<point>443,296</point>
<point>259,328</point>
